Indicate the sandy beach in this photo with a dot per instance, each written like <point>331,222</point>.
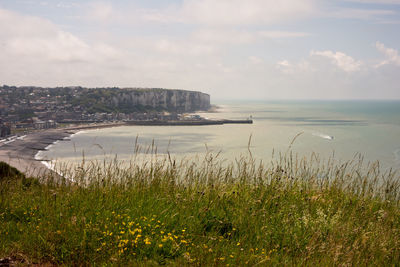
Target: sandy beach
<point>21,152</point>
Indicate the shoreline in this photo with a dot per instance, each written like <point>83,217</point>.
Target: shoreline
<point>21,153</point>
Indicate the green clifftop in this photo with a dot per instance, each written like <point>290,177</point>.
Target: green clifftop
<point>26,100</point>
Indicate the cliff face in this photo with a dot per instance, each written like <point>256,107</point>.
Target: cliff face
<point>75,100</point>
<point>173,100</point>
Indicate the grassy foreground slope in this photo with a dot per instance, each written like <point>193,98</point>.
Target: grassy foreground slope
<point>291,212</point>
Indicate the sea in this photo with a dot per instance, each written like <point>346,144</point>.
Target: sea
<point>340,130</point>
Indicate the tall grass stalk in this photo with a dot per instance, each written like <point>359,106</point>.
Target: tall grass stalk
<point>205,211</point>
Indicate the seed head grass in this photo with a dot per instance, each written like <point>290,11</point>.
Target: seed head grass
<point>209,212</point>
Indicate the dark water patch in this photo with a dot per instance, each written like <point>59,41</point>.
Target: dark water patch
<point>312,121</point>
<point>285,118</point>
<point>335,121</point>
<point>258,111</point>
<point>331,124</point>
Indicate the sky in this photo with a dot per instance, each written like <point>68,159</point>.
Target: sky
<point>231,49</point>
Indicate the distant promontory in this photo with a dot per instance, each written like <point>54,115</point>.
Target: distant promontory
<point>58,104</point>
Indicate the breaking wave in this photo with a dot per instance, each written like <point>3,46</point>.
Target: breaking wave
<point>325,136</point>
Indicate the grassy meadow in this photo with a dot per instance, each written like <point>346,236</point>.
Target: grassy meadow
<point>205,212</point>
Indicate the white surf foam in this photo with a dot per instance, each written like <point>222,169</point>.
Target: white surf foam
<point>51,145</point>
<point>38,155</point>
<point>51,164</point>
<point>325,136</point>
<point>21,137</point>
<point>78,132</point>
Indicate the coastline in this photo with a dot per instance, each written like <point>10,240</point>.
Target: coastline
<point>21,153</point>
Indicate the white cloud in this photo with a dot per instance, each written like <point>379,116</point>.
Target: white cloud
<point>32,37</point>
<point>225,36</point>
<point>179,47</point>
<point>130,15</point>
<point>396,2</point>
<point>166,47</point>
<point>62,47</point>
<point>282,34</point>
<point>317,77</point>
<point>101,11</point>
<point>298,68</point>
<point>363,14</point>
<point>239,12</point>
<point>68,5</point>
<point>232,13</point>
<point>206,12</point>
<point>255,60</point>
<point>35,51</point>
<point>339,59</point>
<point>392,55</point>
<point>284,63</point>
<point>285,66</point>
<point>371,11</point>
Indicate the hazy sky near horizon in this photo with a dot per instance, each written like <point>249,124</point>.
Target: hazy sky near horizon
<point>231,49</point>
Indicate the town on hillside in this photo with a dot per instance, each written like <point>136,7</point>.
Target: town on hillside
<point>28,108</point>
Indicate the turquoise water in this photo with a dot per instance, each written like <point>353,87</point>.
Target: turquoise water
<point>329,128</point>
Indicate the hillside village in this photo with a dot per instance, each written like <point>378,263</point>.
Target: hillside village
<point>28,107</point>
